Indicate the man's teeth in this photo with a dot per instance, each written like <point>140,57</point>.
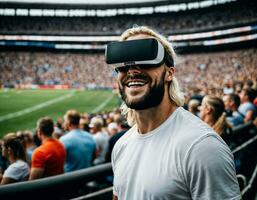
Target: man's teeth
<point>135,83</point>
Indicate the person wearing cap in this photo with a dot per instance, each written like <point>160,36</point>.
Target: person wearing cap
<point>122,127</point>
<point>168,153</point>
<point>101,138</point>
<point>112,128</point>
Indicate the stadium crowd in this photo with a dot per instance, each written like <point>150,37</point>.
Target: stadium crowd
<point>167,23</point>
<point>216,73</point>
<point>75,70</point>
<point>208,73</point>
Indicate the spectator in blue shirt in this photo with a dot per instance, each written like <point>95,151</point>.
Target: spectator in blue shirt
<point>80,145</point>
<point>232,102</point>
<point>247,107</point>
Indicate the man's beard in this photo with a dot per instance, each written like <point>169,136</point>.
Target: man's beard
<point>151,98</point>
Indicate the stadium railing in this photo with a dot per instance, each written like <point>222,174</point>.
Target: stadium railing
<point>59,187</point>
<point>245,159</point>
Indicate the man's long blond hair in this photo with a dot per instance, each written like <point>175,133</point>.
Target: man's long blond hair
<point>176,96</point>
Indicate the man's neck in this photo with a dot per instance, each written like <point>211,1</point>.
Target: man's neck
<point>149,119</point>
<point>45,138</point>
<point>73,127</point>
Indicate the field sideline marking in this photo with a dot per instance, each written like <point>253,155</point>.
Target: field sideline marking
<point>36,107</point>
<point>102,105</point>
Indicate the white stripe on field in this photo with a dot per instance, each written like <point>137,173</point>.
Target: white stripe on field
<point>102,105</point>
<point>36,107</point>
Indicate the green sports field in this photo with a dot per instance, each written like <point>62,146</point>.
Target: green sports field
<point>20,109</point>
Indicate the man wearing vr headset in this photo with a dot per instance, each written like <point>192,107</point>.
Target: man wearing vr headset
<point>168,153</point>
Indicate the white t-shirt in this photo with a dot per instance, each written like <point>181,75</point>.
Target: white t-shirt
<point>18,171</point>
<point>181,159</point>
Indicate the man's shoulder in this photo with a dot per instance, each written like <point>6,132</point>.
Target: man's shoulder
<point>19,163</point>
<point>86,136</point>
<point>40,151</point>
<point>56,143</point>
<point>16,168</point>
<point>189,124</point>
<point>75,134</point>
<point>236,118</point>
<point>246,106</point>
<point>66,136</point>
<point>188,129</point>
<point>74,137</point>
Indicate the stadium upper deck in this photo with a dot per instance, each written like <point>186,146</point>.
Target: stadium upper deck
<point>196,20</point>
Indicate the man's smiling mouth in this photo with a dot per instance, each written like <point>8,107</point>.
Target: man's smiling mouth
<point>136,83</point>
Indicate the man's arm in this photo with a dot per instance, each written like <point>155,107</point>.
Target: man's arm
<point>115,197</point>
<point>36,173</point>
<point>210,168</point>
<point>248,116</point>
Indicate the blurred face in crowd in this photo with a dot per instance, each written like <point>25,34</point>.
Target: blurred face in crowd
<point>93,130</point>
<point>204,110</point>
<point>227,102</point>
<point>4,150</point>
<point>142,88</point>
<point>66,123</point>
<point>243,96</point>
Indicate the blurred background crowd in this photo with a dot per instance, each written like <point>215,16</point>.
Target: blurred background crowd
<point>207,73</point>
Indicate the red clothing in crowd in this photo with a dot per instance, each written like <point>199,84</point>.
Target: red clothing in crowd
<point>50,156</point>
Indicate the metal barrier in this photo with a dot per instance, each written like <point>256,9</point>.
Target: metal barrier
<point>63,186</point>
<point>242,146</point>
<point>241,128</point>
<point>242,133</point>
<point>251,182</point>
<point>94,195</point>
<point>245,153</point>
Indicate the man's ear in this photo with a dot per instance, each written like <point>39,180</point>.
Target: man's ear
<point>66,125</point>
<point>38,133</point>
<point>169,73</point>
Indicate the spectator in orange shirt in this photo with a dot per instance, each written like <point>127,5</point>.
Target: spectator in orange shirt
<point>49,158</point>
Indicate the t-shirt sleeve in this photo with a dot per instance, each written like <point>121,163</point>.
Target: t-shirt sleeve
<point>38,159</point>
<point>11,172</point>
<point>210,171</point>
<point>16,172</point>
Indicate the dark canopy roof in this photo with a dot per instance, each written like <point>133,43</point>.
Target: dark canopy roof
<point>61,5</point>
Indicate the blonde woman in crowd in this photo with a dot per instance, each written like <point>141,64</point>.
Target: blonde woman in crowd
<point>212,111</point>
<point>13,150</point>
